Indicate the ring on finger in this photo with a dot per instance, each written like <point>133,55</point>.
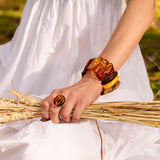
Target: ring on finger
<point>58,101</point>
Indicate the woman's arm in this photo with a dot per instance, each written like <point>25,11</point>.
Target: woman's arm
<point>130,29</point>
<point>137,17</point>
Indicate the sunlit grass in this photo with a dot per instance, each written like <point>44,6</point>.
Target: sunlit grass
<point>158,9</point>
<point>12,13</point>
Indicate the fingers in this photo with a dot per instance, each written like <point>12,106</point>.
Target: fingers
<point>72,101</point>
<point>54,114</point>
<point>43,120</point>
<point>79,108</point>
<point>45,107</point>
<point>49,112</point>
<point>67,109</point>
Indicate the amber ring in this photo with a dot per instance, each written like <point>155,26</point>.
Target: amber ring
<point>58,101</point>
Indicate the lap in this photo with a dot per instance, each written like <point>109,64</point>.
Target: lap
<point>45,140</point>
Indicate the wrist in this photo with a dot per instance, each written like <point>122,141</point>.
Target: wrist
<point>103,72</point>
<point>91,77</point>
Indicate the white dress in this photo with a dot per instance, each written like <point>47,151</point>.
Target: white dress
<point>50,47</point>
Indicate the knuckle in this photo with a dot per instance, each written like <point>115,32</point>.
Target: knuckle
<point>65,117</point>
<point>64,92</point>
<point>45,104</point>
<point>75,119</point>
<point>73,93</point>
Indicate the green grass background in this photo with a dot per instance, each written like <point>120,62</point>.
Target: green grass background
<point>11,11</point>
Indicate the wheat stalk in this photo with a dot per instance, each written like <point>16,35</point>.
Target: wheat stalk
<point>27,107</point>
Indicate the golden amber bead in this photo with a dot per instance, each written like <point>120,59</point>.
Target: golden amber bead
<point>95,63</point>
<point>109,69</point>
<point>102,65</point>
<point>111,89</point>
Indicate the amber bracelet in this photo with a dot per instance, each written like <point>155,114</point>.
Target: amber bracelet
<point>105,72</point>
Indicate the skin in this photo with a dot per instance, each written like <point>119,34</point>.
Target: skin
<point>135,20</point>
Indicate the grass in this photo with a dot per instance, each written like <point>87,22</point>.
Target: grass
<point>157,9</point>
<point>11,11</point>
<point>12,4</point>
<point>150,46</point>
<point>10,14</point>
<point>11,24</point>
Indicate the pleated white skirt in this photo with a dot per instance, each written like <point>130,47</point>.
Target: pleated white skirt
<point>50,47</point>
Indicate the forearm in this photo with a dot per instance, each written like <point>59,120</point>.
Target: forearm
<point>135,20</point>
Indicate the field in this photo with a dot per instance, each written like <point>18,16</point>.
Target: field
<point>11,11</point>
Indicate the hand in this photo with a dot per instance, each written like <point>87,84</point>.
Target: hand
<point>78,97</point>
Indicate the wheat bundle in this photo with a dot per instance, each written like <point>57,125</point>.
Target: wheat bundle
<point>28,107</point>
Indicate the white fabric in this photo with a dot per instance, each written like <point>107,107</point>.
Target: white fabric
<point>52,44</point>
